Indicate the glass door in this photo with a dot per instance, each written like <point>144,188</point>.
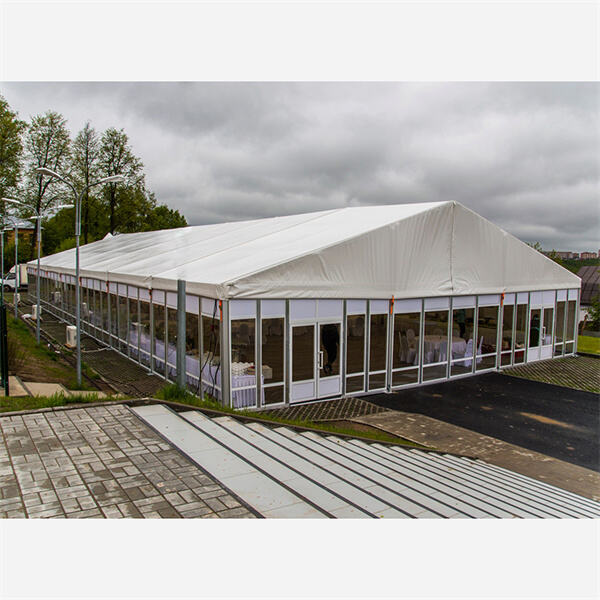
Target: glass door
<point>546,333</point>
<point>329,377</point>
<point>303,363</point>
<point>535,331</point>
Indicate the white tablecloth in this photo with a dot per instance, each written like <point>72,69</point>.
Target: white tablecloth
<point>432,343</point>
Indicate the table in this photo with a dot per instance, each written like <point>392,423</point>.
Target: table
<point>432,343</point>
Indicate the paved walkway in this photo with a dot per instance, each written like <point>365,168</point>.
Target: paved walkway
<point>451,438</point>
<point>100,461</point>
<point>579,372</point>
<point>330,410</point>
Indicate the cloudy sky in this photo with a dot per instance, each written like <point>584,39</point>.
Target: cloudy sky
<point>525,156</point>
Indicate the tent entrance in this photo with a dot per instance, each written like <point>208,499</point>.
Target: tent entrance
<point>316,355</point>
<point>540,334</point>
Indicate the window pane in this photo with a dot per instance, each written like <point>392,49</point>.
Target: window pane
<point>122,306</point>
<point>133,326</point>
<point>329,345</point>
<point>192,348</point>
<point>507,328</point>
<point>520,329</point>
<point>159,336</point>
<point>560,322</point>
<point>355,344</point>
<point>211,340</point>
<point>377,382</point>
<point>434,372</point>
<point>172,337</point>
<point>211,359</point>
<point>570,333</point>
<point>534,328</point>
<point>242,340</point>
<point>405,377</point>
<point>462,335</point>
<point>487,329</point>
<point>274,395</point>
<point>547,331</point>
<point>273,350</point>
<point>303,349</point>
<point>145,342</point>
<point>355,384</point>
<point>377,343</point>
<point>435,344</point>
<point>406,335</point>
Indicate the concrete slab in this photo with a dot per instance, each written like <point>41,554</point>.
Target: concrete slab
<point>45,389</point>
<point>16,388</point>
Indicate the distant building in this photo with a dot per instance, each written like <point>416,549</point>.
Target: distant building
<point>25,228</point>
<point>564,254</point>
<point>586,255</point>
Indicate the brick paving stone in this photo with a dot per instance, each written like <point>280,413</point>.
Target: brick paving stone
<point>100,462</point>
<point>578,372</point>
<point>330,410</point>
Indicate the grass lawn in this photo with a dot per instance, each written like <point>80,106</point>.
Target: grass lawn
<point>39,363</point>
<point>588,344</point>
<point>34,402</point>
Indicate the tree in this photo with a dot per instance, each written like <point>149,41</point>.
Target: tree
<point>117,158</point>
<point>11,148</point>
<point>47,145</point>
<point>163,217</point>
<point>86,169</point>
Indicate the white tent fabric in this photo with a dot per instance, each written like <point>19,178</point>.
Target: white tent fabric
<point>405,251</point>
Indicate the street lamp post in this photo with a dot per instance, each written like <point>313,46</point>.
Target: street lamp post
<point>39,216</point>
<point>78,199</point>
<point>17,278</point>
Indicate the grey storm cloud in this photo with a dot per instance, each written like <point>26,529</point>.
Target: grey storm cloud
<point>524,155</point>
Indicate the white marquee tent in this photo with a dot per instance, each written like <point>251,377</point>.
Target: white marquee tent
<point>405,251</point>
<point>345,301</point>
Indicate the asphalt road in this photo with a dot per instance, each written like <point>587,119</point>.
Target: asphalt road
<point>556,421</point>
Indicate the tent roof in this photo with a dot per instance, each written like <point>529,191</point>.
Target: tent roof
<point>408,250</point>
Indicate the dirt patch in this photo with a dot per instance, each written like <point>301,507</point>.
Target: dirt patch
<point>548,420</point>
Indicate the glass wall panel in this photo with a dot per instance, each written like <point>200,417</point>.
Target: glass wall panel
<point>303,352</point>
<point>145,335</point>
<point>508,312</point>
<point>172,341</point>
<point>463,320</point>
<point>211,359</point>
<point>355,352</point>
<point>123,325</point>
<point>134,327</point>
<point>114,323</point>
<point>559,328</point>
<point>273,359</point>
<point>547,326</point>
<point>159,337</point>
<point>570,332</point>
<point>487,334</point>
<point>520,333</point>
<point>192,349</point>
<point>377,351</point>
<point>407,327</point>
<point>243,369</point>
<point>355,383</point>
<point>435,345</point>
<point>534,327</point>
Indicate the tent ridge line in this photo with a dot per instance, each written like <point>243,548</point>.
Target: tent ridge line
<point>319,215</point>
<point>439,205</point>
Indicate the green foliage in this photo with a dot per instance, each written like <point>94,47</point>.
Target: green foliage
<point>11,148</point>
<point>25,254</point>
<point>117,208</point>
<point>593,323</point>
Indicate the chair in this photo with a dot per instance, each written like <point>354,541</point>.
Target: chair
<point>468,354</point>
<point>443,352</point>
<point>479,351</point>
<point>403,350</point>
